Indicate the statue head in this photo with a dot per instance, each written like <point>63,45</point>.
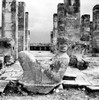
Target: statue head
<point>62,44</point>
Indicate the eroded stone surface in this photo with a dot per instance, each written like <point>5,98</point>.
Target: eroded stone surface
<point>35,77</point>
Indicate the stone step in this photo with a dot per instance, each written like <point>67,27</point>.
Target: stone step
<point>70,73</point>
<point>69,82</point>
<point>93,87</point>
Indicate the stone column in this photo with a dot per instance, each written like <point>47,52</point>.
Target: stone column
<point>96,29</point>
<point>91,34</point>
<point>26,30</point>
<point>9,19</point>
<point>0,32</point>
<point>55,32</point>
<point>85,27</point>
<point>61,20</point>
<point>72,19</point>
<point>51,35</point>
<point>62,36</point>
<point>28,40</point>
<point>21,26</point>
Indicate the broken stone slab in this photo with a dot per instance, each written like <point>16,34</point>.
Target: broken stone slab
<point>93,87</point>
<point>12,72</point>
<point>77,61</point>
<point>36,78</point>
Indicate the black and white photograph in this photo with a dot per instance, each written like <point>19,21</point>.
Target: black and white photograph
<point>49,49</point>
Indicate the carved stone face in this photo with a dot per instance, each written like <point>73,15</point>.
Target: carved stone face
<point>63,47</point>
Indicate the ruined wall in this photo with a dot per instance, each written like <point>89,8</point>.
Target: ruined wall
<point>21,26</point>
<point>26,30</point>
<point>85,27</point>
<point>55,32</point>
<point>96,28</point>
<point>72,19</point>
<point>9,22</point>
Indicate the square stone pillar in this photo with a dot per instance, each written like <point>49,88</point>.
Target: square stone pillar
<point>95,29</point>
<point>61,27</point>
<point>85,27</point>
<point>72,19</point>
<point>9,19</point>
<point>28,40</point>
<point>55,32</point>
<point>26,30</point>
<point>51,36</point>
<point>21,26</point>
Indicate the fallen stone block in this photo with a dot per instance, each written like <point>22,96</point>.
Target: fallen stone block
<point>77,61</point>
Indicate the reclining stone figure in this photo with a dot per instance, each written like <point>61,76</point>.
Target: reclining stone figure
<point>40,80</point>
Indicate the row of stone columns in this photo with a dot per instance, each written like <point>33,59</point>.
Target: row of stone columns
<point>68,22</point>
<point>15,24</point>
<point>90,30</point>
<point>73,27</point>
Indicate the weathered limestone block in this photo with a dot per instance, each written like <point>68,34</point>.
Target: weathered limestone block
<point>85,27</point>
<point>95,38</point>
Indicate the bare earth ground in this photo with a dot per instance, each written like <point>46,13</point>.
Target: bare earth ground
<point>71,94</point>
<point>67,94</point>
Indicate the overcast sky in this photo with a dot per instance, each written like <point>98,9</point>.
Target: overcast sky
<point>41,16</point>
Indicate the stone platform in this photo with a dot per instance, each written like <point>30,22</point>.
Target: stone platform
<point>88,78</point>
